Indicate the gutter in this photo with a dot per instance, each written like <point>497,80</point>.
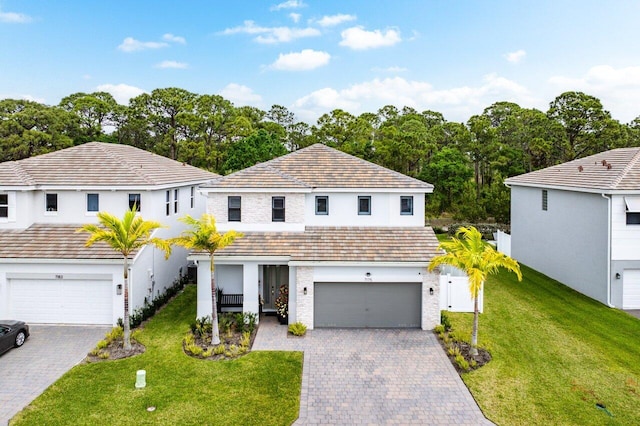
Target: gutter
<point>608,198</point>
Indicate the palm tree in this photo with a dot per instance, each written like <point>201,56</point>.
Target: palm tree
<point>478,259</point>
<point>203,236</point>
<point>125,236</point>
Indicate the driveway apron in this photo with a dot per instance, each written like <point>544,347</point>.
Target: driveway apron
<point>47,354</point>
<point>374,377</point>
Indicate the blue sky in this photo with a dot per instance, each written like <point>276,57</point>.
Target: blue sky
<point>454,57</point>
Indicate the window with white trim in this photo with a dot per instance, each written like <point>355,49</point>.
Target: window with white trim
<point>406,205</point>
<point>322,205</point>
<point>93,202</point>
<point>167,202</point>
<point>134,201</point>
<point>632,210</point>
<point>51,202</point>
<point>234,204</point>
<point>4,205</point>
<point>277,209</point>
<point>175,200</point>
<point>364,205</point>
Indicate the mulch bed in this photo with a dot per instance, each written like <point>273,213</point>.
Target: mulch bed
<point>116,351</point>
<point>227,339</point>
<point>481,359</point>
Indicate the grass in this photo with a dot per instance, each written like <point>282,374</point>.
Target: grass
<point>259,388</point>
<point>556,353</point>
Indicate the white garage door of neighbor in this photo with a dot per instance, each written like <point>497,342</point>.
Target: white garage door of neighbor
<point>61,301</point>
<point>631,289</point>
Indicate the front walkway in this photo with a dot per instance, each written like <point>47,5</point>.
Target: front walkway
<point>363,376</point>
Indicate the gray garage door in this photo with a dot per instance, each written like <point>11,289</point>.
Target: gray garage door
<point>367,305</point>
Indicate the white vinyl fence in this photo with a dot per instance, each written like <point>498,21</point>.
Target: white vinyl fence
<point>503,242</point>
<point>454,291</point>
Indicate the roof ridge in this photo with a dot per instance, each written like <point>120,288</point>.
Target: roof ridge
<point>627,168</point>
<point>122,159</point>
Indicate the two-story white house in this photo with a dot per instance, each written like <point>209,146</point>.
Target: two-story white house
<point>46,273</point>
<point>579,223</point>
<point>347,237</point>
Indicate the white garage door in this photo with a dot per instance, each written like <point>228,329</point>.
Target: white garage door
<point>631,289</point>
<point>61,301</point>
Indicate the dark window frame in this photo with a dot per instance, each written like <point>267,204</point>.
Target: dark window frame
<point>633,218</point>
<point>278,212</point>
<point>51,202</point>
<point>193,196</point>
<point>4,206</point>
<point>324,198</point>
<point>409,211</point>
<point>367,211</point>
<point>89,202</point>
<point>176,200</point>
<point>234,212</point>
<point>545,200</point>
<point>135,199</point>
<point>167,202</point>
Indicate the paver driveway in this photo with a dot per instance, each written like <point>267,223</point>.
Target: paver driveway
<point>374,377</point>
<point>46,355</point>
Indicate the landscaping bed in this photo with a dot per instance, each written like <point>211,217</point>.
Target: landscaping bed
<point>236,331</point>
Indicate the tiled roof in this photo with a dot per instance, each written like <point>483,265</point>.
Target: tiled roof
<point>617,169</point>
<point>99,164</point>
<point>340,244</point>
<point>318,166</point>
<point>47,241</point>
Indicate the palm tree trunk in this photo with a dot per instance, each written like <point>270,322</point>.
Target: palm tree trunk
<point>215,334</point>
<point>474,334</point>
<point>125,322</point>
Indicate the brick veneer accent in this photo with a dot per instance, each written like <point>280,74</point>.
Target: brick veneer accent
<point>256,207</point>
<point>304,302</point>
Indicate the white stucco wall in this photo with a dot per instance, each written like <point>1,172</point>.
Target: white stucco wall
<point>625,239</point>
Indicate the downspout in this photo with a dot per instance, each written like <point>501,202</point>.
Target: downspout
<point>608,250</point>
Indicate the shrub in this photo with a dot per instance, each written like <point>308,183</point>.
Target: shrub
<point>207,353</point>
<point>103,355</point>
<point>219,350</point>
<point>460,336</point>
<point>297,329</point>
<point>224,324</point>
<point>203,326</point>
<point>246,339</point>
<point>462,363</point>
<point>94,352</point>
<point>454,351</point>
<point>439,330</point>
<point>135,334</point>
<point>189,339</point>
<point>115,334</point>
<point>194,349</point>
<point>445,321</point>
<point>250,321</point>
<point>102,344</point>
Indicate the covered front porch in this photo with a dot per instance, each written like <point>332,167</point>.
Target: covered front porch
<point>256,284</point>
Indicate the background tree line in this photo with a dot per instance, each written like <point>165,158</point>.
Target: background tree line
<point>467,162</point>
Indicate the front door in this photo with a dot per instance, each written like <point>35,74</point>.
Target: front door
<point>273,277</point>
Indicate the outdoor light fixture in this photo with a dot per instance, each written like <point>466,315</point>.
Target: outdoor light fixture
<point>305,290</point>
<point>368,274</point>
<point>431,291</point>
<point>617,275</point>
<point>119,289</point>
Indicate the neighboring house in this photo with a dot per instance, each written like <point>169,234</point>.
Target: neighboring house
<point>46,273</point>
<point>579,223</point>
<point>346,236</point>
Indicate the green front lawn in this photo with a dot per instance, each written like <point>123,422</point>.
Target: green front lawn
<point>555,353</point>
<point>259,388</point>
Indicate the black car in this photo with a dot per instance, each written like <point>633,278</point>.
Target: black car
<point>12,333</point>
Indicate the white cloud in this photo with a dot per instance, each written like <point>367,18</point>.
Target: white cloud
<point>174,39</point>
<point>333,20</point>
<point>240,95</point>
<point>130,44</point>
<point>121,92</point>
<point>358,38</point>
<point>305,60</point>
<point>295,17</point>
<point>289,4</point>
<point>457,103</point>
<point>618,89</point>
<point>172,64</point>
<point>86,77</point>
<point>515,57</point>
<point>393,69</point>
<point>271,35</point>
<point>14,18</point>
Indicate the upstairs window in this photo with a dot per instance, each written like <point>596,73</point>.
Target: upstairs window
<point>235,208</point>
<point>167,202</point>
<point>193,196</point>
<point>93,202</point>
<point>406,205</point>
<point>632,210</point>
<point>4,205</point>
<point>544,200</point>
<point>134,201</point>
<point>277,209</point>
<point>51,203</point>
<point>364,205</point>
<point>175,200</point>
<point>322,205</point>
